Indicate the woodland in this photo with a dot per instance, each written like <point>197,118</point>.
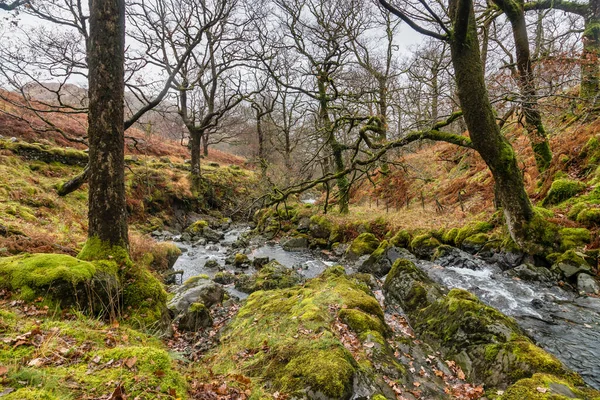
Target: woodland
<point>299,199</point>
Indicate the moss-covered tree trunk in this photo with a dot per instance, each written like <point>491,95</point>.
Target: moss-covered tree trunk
<point>485,134</point>
<point>513,9</point>
<point>336,148</point>
<point>590,65</point>
<point>107,206</point>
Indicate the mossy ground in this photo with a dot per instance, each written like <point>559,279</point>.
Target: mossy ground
<point>71,356</point>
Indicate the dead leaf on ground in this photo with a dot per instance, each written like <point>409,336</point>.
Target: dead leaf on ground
<point>130,362</point>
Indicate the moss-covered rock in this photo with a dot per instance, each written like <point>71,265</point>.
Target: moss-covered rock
<point>271,276</point>
<point>547,387</point>
<point>424,245</point>
<point>402,238</point>
<point>320,227</point>
<point>469,230</point>
<point>410,287</point>
<point>62,278</point>
<point>490,346</point>
<point>293,338</point>
<point>569,264</point>
<point>45,153</point>
<point>561,190</point>
<point>240,260</point>
<point>197,227</point>
<point>365,243</point>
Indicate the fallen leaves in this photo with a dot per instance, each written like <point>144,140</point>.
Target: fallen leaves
<point>130,362</point>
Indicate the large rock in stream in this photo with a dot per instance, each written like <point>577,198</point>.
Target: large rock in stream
<point>489,346</point>
<point>323,340</point>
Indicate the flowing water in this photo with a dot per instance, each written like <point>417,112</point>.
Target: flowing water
<point>561,322</point>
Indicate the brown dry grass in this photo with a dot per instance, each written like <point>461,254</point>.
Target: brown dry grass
<point>76,126</point>
<point>441,171</point>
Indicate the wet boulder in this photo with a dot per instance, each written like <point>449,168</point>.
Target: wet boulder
<point>587,284</point>
<point>212,264</point>
<point>241,260</point>
<point>530,272</point>
<point>295,243</point>
<point>259,262</point>
<point>488,345</point>
<point>570,264</point>
<point>448,256</point>
<point>224,278</point>
<point>197,289</point>
<point>212,235</point>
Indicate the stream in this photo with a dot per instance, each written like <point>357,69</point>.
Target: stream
<point>561,322</point>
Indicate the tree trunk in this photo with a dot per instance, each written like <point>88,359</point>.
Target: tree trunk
<point>261,143</point>
<point>336,148</point>
<point>205,144</point>
<point>107,206</point>
<point>590,68</point>
<point>533,119</point>
<point>195,139</point>
<point>485,134</point>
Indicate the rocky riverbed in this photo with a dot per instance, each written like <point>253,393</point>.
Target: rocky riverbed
<point>560,321</point>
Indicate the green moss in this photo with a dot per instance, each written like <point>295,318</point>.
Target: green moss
<point>561,190</point>
<point>197,307</point>
<point>197,227</point>
<point>383,246</point>
<point>153,368</point>
<point>328,371</point>
<point>449,237</point>
<point>470,230</point>
<point>144,298</point>
<point>191,281</point>
<point>240,259</point>
<point>425,241</point>
<point>61,277</point>
<point>478,239</point>
<point>573,238</point>
<point>547,387</point>
<point>361,322</point>
<point>365,243</point>
<point>96,249</point>
<point>401,239</point>
<point>31,394</point>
